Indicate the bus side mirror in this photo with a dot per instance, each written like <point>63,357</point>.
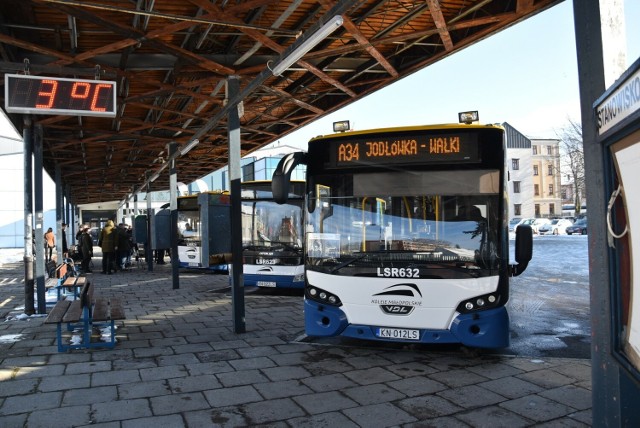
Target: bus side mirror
<point>524,249</point>
<point>281,180</point>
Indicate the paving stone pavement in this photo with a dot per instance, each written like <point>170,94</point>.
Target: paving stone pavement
<point>178,363</point>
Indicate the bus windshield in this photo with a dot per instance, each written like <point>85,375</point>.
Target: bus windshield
<point>442,223</point>
<point>189,226</point>
<point>268,225</point>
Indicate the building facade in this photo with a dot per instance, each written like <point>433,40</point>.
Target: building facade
<point>547,189</point>
<point>519,166</point>
<point>534,186</point>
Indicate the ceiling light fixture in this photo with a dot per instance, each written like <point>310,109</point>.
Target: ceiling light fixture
<point>188,147</point>
<point>332,25</point>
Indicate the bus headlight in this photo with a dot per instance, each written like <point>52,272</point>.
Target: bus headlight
<point>299,277</point>
<point>486,301</point>
<point>321,296</point>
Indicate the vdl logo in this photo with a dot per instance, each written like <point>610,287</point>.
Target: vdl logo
<point>395,307</point>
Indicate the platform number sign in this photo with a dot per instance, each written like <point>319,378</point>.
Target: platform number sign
<point>59,96</point>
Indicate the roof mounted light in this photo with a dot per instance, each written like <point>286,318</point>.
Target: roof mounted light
<point>332,25</point>
<point>469,117</point>
<point>341,126</point>
<point>191,145</point>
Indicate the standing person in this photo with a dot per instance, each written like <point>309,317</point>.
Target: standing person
<point>49,244</point>
<point>79,239</point>
<point>108,243</point>
<point>160,256</point>
<point>65,247</point>
<point>86,246</point>
<point>131,244</point>
<point>123,250</point>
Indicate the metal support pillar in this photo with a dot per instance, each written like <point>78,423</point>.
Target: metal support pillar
<point>59,213</point>
<point>148,252</point>
<point>592,85</point>
<point>135,207</point>
<point>38,171</point>
<point>235,177</point>
<point>173,206</point>
<point>29,290</point>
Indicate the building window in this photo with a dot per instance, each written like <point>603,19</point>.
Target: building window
<point>552,209</point>
<point>516,187</point>
<point>536,190</point>
<point>549,169</point>
<point>517,209</point>
<point>537,210</point>
<point>515,164</point>
<point>550,189</point>
<point>535,150</point>
<point>550,150</point>
<point>535,170</point>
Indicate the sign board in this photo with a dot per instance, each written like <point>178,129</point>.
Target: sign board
<point>620,104</point>
<point>59,96</point>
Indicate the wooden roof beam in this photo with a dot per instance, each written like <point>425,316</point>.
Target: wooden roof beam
<point>150,39</point>
<point>258,36</point>
<point>364,42</point>
<point>294,100</point>
<point>441,24</point>
<point>524,6</point>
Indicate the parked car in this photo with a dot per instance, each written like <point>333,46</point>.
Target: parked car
<point>537,223</point>
<point>513,223</point>
<point>579,227</point>
<point>556,227</point>
<point>525,221</point>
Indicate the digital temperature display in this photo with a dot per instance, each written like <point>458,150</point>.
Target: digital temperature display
<point>55,95</point>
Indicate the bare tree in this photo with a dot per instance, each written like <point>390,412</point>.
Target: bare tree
<point>572,159</point>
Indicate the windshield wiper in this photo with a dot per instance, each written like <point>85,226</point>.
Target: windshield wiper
<point>348,262</point>
<point>274,246</point>
<point>457,266</point>
<point>285,245</point>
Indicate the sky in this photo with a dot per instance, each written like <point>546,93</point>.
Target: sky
<point>525,75</point>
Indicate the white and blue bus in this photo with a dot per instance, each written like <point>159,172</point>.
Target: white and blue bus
<point>272,236</point>
<point>203,222</point>
<point>406,234</point>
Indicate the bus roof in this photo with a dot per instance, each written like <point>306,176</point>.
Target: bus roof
<point>211,192</point>
<point>409,129</point>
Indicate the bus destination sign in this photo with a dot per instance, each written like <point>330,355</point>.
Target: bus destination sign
<point>407,149</point>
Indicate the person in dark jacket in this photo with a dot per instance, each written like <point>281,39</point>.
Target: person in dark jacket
<point>123,248</point>
<point>108,243</point>
<point>65,247</point>
<point>86,245</point>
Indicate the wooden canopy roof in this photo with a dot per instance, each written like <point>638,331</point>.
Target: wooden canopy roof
<point>171,59</point>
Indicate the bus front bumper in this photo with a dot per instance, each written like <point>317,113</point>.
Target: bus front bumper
<point>483,329</point>
<point>278,281</point>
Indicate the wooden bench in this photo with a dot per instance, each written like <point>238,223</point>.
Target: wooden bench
<point>83,314</point>
<point>72,285</point>
<point>56,274</point>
